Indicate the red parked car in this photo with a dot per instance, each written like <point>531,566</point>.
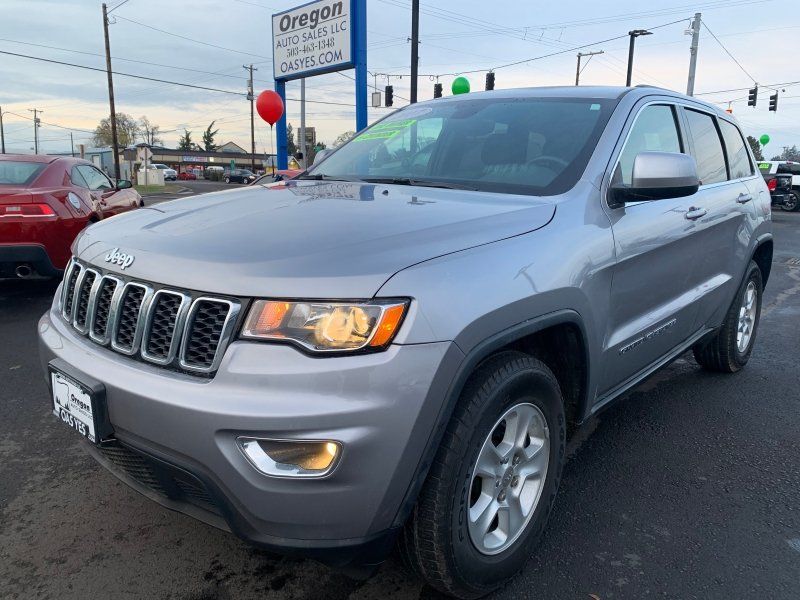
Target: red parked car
<point>187,176</point>
<point>45,201</point>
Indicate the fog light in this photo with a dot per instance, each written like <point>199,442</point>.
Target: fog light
<point>289,458</point>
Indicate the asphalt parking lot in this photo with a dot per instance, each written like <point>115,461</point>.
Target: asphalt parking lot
<point>189,188</point>
<point>688,488</point>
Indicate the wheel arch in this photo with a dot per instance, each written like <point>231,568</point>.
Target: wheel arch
<point>565,330</point>
<point>762,255</point>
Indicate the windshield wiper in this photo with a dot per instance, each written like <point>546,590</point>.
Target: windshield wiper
<point>421,182</point>
<point>322,177</point>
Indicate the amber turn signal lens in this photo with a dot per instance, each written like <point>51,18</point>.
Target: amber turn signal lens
<point>389,323</point>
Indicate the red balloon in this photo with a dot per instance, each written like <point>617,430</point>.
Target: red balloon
<point>269,106</point>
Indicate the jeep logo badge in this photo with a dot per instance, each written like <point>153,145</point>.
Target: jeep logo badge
<point>115,257</point>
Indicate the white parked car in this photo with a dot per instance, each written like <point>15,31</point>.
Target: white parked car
<point>169,174</point>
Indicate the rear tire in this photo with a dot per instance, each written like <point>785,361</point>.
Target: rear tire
<point>227,180</point>
<point>446,541</point>
<point>792,204</point>
<point>729,350</point>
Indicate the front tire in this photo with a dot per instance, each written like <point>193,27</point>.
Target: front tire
<point>729,350</point>
<point>227,180</point>
<point>493,482</point>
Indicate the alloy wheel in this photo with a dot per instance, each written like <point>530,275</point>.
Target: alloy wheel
<point>747,317</point>
<point>508,478</point>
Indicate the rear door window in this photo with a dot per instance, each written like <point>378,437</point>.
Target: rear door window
<point>707,147</point>
<point>738,159</point>
<point>655,130</point>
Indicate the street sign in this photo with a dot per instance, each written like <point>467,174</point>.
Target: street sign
<point>315,38</point>
<point>312,39</point>
<point>143,154</point>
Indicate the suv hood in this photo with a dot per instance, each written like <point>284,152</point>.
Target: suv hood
<point>304,238</point>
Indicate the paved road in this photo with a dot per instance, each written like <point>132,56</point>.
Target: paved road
<point>190,188</point>
<point>689,488</point>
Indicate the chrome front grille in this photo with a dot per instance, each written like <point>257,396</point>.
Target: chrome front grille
<point>167,327</point>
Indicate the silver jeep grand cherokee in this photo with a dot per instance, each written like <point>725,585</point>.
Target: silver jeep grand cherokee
<point>396,346</point>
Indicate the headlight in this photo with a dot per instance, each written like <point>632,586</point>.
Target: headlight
<point>326,326</point>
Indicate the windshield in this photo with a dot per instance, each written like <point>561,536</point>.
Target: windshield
<point>514,145</point>
<point>13,172</point>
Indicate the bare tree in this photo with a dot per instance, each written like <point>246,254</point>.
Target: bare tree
<point>150,133</point>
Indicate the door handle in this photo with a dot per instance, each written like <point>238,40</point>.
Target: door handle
<point>695,213</point>
<point>744,198</point>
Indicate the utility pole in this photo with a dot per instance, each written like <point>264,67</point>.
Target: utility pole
<point>414,48</point>
<point>114,139</point>
<point>581,55</point>
<point>693,53</point>
<point>36,122</point>
<point>303,123</point>
<point>2,134</point>
<point>71,145</point>
<point>634,34</point>
<point>251,97</point>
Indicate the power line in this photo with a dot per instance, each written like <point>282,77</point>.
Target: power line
<point>132,60</point>
<point>728,52</point>
<point>533,58</point>
<point>742,89</point>
<point>59,62</point>
<point>46,123</point>
<point>188,39</point>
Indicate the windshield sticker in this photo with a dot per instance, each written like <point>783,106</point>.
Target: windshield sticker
<point>594,107</point>
<point>385,130</point>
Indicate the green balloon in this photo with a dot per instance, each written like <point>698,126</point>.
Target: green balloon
<point>764,139</point>
<point>460,86</point>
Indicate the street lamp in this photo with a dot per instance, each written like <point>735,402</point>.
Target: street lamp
<point>634,34</point>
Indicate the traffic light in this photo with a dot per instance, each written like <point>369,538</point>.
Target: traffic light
<point>773,102</point>
<point>389,95</point>
<point>437,90</point>
<point>752,97</point>
<point>490,80</point>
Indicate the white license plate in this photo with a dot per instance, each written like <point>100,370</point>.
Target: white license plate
<point>73,404</point>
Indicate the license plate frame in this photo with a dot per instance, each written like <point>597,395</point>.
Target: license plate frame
<point>79,401</point>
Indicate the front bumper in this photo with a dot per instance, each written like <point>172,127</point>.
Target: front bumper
<point>380,407</point>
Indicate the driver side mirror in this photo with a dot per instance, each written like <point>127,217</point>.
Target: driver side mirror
<point>124,184</point>
<point>656,176</point>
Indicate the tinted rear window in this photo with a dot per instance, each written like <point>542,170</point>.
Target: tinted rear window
<point>791,168</point>
<point>13,172</point>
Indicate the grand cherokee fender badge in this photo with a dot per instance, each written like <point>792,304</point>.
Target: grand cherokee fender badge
<point>648,336</point>
<point>115,257</point>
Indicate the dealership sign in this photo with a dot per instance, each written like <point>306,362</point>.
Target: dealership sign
<point>312,39</point>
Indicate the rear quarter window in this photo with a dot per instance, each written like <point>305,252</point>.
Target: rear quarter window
<point>738,158</point>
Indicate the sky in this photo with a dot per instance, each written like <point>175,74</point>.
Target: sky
<point>207,42</point>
